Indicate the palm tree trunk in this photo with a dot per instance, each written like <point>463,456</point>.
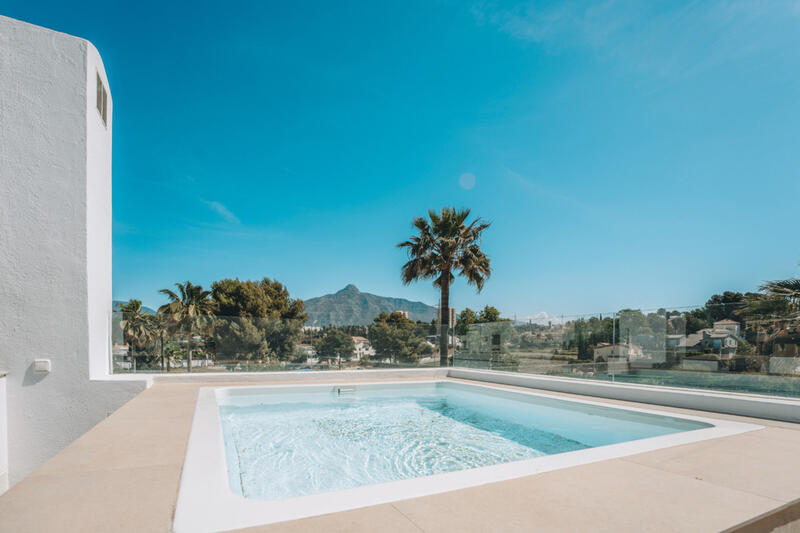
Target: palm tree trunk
<point>444,322</point>
<point>162,352</point>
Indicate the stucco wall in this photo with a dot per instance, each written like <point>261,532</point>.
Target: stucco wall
<point>3,436</point>
<point>98,215</point>
<point>55,238</point>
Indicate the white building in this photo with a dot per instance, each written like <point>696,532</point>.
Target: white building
<point>728,325</point>
<point>56,113</point>
<point>308,351</point>
<point>364,349</point>
<point>624,350</point>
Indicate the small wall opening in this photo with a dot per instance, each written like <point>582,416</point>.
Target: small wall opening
<point>102,100</point>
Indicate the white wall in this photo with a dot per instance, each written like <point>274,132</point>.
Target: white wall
<point>55,237</point>
<point>3,436</point>
<point>98,216</point>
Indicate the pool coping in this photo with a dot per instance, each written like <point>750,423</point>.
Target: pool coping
<point>207,504</point>
<point>782,408</point>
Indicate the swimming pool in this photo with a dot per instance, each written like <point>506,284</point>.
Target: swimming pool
<point>311,442</point>
<point>266,454</point>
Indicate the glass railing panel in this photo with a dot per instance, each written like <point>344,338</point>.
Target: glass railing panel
<point>713,347</point>
<point>726,347</point>
<point>165,343</point>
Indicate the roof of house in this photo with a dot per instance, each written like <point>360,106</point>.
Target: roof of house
<point>692,340</point>
<point>726,321</point>
<point>356,338</point>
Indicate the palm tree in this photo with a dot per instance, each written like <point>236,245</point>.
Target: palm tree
<point>189,309</point>
<point>160,324</point>
<point>778,301</point>
<point>787,289</point>
<point>136,328</point>
<point>444,247</point>
<point>171,353</point>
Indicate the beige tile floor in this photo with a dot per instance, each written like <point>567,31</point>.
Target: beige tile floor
<point>123,476</point>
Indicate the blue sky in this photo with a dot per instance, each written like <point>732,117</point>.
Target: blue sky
<point>628,154</point>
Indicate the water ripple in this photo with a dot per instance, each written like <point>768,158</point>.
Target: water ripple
<point>292,450</point>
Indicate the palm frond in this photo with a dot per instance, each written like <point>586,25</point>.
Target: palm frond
<point>784,287</point>
<point>171,295</point>
<point>445,244</point>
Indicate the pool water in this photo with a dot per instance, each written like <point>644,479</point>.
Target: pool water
<point>294,444</point>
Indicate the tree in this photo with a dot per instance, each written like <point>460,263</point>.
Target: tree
<point>334,345</point>
<point>778,301</point>
<point>724,306</point>
<point>444,247</point>
<point>632,323</point>
<point>397,337</point>
<point>137,329</point>
<point>190,310</point>
<point>786,289</point>
<point>759,307</point>
<point>260,299</point>
<point>582,340</point>
<point>600,329</point>
<point>489,314</point>
<point>242,338</point>
<point>696,320</point>
<point>257,319</point>
<point>172,352</point>
<point>161,325</point>
<point>465,318</point>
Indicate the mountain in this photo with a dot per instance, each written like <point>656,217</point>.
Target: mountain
<point>350,306</point>
<point>145,310</point>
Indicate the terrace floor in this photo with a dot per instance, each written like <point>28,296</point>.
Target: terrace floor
<point>124,474</point>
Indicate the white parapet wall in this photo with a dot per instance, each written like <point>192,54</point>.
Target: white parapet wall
<point>752,405</point>
<point>55,237</point>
